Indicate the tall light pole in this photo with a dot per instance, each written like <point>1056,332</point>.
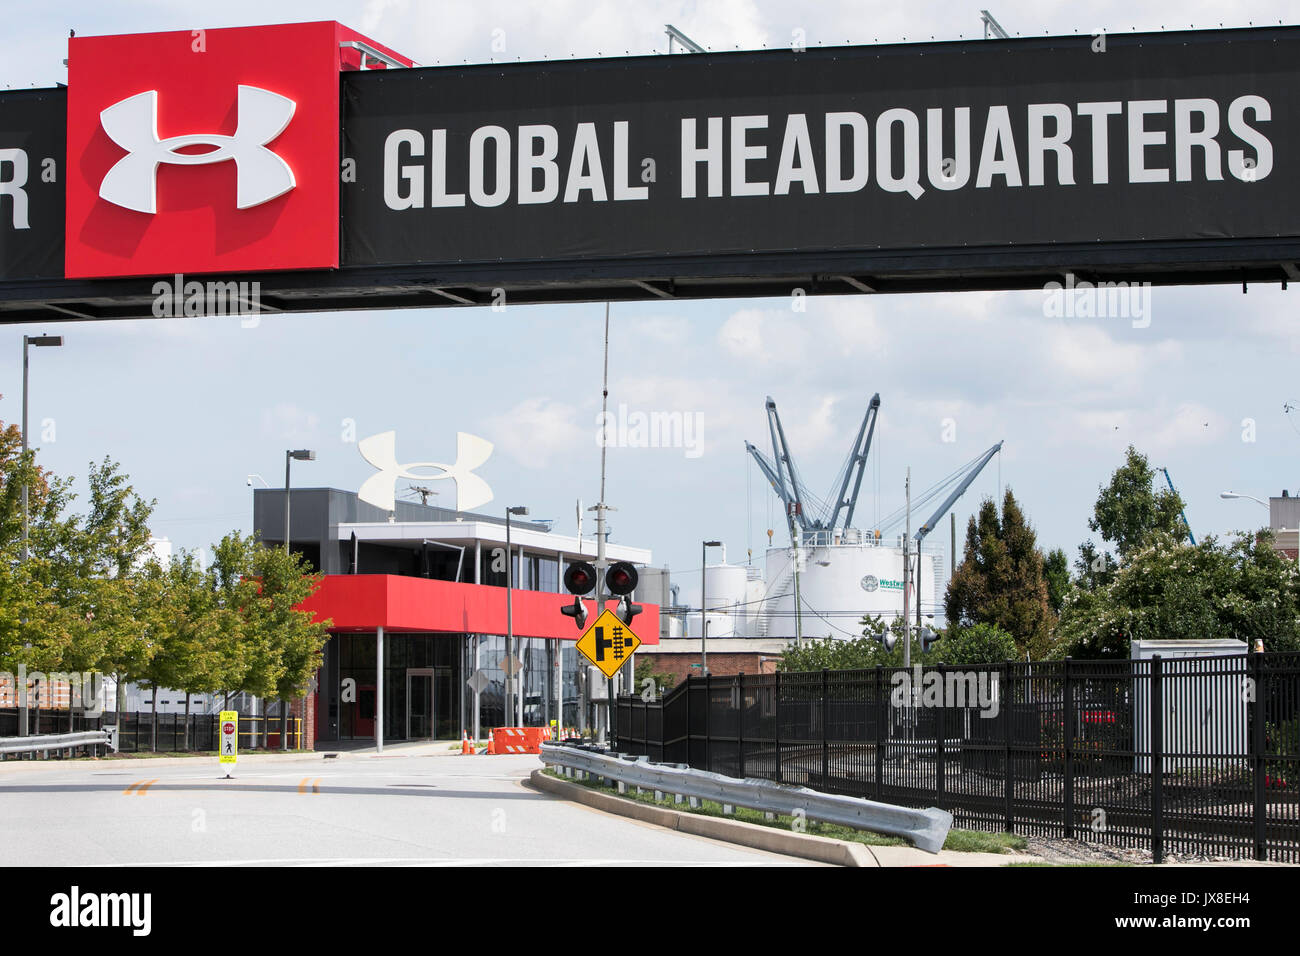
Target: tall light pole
<point>704,606</point>
<point>510,619</point>
<point>302,454</point>
<point>39,341</point>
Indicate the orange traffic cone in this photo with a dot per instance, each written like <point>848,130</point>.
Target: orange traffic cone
<point>465,746</point>
<point>492,743</point>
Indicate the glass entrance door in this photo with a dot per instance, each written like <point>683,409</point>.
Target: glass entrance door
<point>419,703</point>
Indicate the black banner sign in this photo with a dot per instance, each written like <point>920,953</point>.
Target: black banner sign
<point>1060,142</point>
<point>33,137</point>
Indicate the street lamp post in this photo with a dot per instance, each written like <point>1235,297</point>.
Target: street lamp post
<point>704,607</point>
<point>510,620</point>
<point>302,454</point>
<point>40,341</point>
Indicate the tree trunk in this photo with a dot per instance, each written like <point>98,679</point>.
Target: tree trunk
<point>186,738</point>
<point>153,722</point>
<point>284,724</point>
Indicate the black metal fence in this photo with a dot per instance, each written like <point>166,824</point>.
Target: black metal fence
<point>1184,755</point>
<point>146,732</point>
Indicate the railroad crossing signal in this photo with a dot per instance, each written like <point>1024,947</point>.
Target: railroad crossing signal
<point>229,739</point>
<point>608,643</point>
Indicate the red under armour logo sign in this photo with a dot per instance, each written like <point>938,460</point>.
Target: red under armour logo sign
<point>261,175</point>
<point>212,157</point>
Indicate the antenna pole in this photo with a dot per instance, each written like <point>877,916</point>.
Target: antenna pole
<point>600,508</point>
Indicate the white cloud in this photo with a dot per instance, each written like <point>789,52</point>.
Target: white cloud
<point>289,422</point>
<point>537,429</point>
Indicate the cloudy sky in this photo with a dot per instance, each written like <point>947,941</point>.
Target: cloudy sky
<point>191,407</point>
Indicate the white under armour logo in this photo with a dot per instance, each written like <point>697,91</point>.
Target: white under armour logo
<point>380,450</point>
<point>261,175</point>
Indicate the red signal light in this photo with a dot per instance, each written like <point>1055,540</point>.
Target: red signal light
<point>621,578</point>
<point>579,578</point>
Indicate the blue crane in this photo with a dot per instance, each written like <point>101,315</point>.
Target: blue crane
<point>1169,481</point>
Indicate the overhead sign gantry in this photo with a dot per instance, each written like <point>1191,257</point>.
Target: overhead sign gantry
<point>265,152</point>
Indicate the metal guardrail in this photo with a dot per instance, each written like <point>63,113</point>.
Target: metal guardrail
<point>48,742</point>
<point>926,829</point>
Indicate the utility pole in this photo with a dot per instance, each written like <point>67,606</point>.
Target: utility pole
<point>907,568</point>
<point>952,561</point>
<point>602,563</point>
<point>907,626</point>
<point>798,599</point>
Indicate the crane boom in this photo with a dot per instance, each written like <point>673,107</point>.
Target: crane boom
<point>957,492</point>
<point>1187,524</point>
<point>948,502</point>
<point>781,456</point>
<point>768,471</point>
<point>858,463</point>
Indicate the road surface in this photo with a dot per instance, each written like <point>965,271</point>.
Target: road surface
<point>357,809</point>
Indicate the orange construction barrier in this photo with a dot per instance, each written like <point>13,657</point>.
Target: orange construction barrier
<point>520,740</point>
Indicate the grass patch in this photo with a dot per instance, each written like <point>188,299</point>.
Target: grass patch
<point>961,841</point>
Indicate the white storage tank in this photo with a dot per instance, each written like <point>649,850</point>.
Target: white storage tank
<point>838,586</point>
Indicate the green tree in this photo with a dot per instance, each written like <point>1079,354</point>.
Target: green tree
<point>1172,590</point>
<point>1056,571</point>
<point>1001,581</point>
<point>1131,509</point>
<point>976,644</point>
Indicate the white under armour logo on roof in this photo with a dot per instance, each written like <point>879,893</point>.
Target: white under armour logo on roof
<point>261,175</point>
<point>381,451</point>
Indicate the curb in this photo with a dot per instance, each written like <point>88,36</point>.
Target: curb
<point>8,766</point>
<point>804,845</point>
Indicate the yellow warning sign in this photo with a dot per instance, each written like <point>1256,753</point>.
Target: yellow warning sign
<point>608,643</point>
<point>228,738</point>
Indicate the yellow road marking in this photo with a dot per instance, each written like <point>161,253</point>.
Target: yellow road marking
<point>142,785</point>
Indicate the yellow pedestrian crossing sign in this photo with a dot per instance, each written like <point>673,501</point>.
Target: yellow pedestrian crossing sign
<point>229,736</point>
<point>608,643</point>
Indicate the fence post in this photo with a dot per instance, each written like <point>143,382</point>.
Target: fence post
<point>1008,785</point>
<point>1257,753</point>
<point>882,717</point>
<point>776,722</point>
<point>1157,722</point>
<point>690,731</point>
<point>1067,735</point>
<point>826,753</point>
<point>939,760</point>
<point>708,707</point>
<point>740,723</point>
